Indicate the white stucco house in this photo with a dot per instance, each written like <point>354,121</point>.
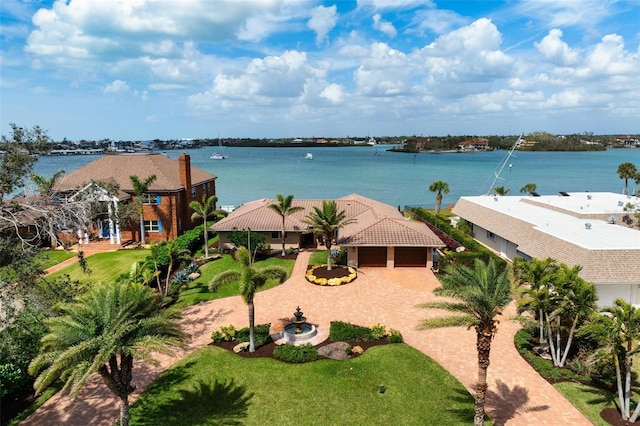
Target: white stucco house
<point>582,228</point>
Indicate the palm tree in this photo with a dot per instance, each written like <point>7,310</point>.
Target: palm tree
<point>536,275</point>
<point>617,329</point>
<point>176,254</point>
<point>45,185</point>
<point>154,256</point>
<point>528,188</point>
<point>140,187</point>
<point>326,222</point>
<point>481,294</point>
<point>439,187</point>
<point>501,191</point>
<point>250,279</point>
<point>627,171</point>
<point>103,331</point>
<point>284,208</point>
<point>202,211</point>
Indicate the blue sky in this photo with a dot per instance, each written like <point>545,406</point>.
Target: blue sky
<point>144,69</point>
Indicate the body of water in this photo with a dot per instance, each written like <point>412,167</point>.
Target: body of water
<point>393,178</point>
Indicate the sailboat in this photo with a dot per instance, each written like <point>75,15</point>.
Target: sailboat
<point>219,155</point>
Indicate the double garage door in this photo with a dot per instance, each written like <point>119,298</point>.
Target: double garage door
<point>404,256</point>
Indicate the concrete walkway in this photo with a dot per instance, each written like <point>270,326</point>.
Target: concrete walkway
<point>517,394</point>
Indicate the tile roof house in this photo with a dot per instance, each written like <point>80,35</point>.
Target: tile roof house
<point>574,228</point>
<point>166,204</point>
<point>379,236</point>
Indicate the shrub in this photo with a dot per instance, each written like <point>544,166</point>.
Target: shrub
<point>261,334</point>
<point>378,331</point>
<point>295,354</point>
<point>225,334</point>
<point>342,331</point>
<point>394,336</point>
<point>357,350</point>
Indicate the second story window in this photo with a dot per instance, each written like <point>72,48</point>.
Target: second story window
<point>153,199</point>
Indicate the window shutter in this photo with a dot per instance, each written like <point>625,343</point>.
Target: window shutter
<point>159,226</point>
<point>158,199</point>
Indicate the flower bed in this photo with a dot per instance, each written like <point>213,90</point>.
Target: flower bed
<point>338,275</point>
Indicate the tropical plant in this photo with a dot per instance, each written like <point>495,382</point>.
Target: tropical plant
<point>140,187</point>
<point>45,185</point>
<point>528,188</point>
<point>560,299</point>
<point>534,277</point>
<point>481,294</point>
<point>176,255</point>
<point>627,171</point>
<point>154,256</point>
<point>439,187</point>
<point>501,191</point>
<point>250,280</point>
<point>284,208</point>
<point>102,332</point>
<point>203,211</point>
<point>326,222</point>
<point>617,329</point>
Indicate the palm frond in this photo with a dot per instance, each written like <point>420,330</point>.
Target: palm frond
<point>451,321</point>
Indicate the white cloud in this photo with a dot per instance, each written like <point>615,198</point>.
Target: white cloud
<point>384,26</point>
<point>333,93</point>
<point>557,51</point>
<point>116,87</point>
<point>323,19</point>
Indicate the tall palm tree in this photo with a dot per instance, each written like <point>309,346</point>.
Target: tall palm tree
<point>45,185</point>
<point>326,222</point>
<point>439,187</point>
<point>617,329</point>
<point>250,279</point>
<point>481,294</point>
<point>627,171</point>
<point>103,331</point>
<point>501,191</point>
<point>202,211</point>
<point>140,187</point>
<point>528,188</point>
<point>284,208</point>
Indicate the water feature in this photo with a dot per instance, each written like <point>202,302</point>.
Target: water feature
<point>298,331</point>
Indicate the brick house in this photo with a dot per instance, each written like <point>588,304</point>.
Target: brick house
<point>166,204</point>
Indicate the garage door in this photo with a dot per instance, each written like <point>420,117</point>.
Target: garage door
<point>372,256</point>
<point>411,256</point>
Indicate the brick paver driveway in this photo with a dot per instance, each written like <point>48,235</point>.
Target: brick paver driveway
<point>517,394</point>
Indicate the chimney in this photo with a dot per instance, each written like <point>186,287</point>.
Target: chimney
<point>184,162</point>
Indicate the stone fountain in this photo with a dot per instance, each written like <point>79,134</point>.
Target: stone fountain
<point>298,331</point>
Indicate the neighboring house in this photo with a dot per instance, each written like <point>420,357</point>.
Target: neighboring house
<point>166,205</point>
<point>479,144</point>
<point>380,235</point>
<point>574,228</point>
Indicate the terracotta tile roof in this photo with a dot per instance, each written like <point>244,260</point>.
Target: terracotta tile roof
<point>118,167</point>
<point>377,224</point>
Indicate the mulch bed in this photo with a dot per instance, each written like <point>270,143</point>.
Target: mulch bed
<point>612,416</point>
<point>266,351</point>
<point>335,272</point>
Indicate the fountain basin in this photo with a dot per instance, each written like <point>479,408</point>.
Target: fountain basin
<point>290,336</point>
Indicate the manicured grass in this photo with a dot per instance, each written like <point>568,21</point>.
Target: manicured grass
<point>197,291</point>
<point>105,267</point>
<point>215,387</point>
<point>51,258</point>
<point>588,399</point>
<point>318,258</point>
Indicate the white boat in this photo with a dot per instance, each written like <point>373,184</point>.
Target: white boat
<point>309,156</point>
<point>219,155</point>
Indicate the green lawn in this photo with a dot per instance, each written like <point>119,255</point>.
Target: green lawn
<point>198,290</point>
<point>215,387</point>
<point>104,267</point>
<point>588,399</point>
<point>51,258</point>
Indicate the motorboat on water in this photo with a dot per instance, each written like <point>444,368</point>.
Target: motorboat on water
<point>309,156</point>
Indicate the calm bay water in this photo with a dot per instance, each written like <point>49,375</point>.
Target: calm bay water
<point>394,178</point>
